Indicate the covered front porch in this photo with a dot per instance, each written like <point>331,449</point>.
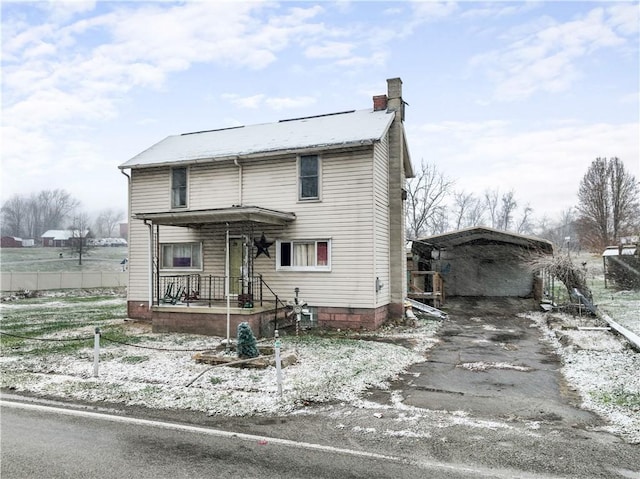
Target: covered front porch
<point>205,280</point>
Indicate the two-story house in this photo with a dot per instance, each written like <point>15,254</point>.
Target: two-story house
<point>224,221</point>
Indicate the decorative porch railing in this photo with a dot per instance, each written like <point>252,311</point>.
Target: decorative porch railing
<point>209,289</point>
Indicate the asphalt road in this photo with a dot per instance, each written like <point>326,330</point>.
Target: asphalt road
<point>50,442</point>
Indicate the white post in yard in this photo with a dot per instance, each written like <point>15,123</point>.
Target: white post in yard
<point>96,352</point>
<point>226,287</point>
<point>278,364</point>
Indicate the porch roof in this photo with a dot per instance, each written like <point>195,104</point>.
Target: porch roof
<point>235,214</point>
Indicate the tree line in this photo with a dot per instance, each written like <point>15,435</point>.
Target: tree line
<point>29,216</point>
<point>607,209</point>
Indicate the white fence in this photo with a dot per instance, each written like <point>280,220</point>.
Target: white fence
<point>39,281</point>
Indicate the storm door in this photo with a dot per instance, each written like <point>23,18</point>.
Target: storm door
<point>237,265</point>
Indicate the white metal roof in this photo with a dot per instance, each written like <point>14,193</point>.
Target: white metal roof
<point>62,234</point>
<point>615,251</point>
<point>332,130</point>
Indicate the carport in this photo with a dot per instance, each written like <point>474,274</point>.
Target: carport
<point>483,262</point>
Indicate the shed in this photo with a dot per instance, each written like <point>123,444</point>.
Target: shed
<point>482,261</point>
<point>622,265</point>
<point>11,242</point>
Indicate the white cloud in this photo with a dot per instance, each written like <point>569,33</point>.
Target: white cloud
<point>544,166</point>
<point>62,11</point>
<point>253,101</point>
<point>547,59</point>
<point>430,11</point>
<point>274,103</point>
<point>624,17</point>
<point>283,103</point>
<point>329,50</point>
<point>499,9</point>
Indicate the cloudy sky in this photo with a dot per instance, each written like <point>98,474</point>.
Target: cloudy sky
<point>504,95</point>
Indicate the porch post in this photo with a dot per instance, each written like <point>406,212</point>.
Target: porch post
<point>226,288</point>
<point>150,259</point>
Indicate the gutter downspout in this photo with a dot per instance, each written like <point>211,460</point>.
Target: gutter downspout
<point>235,162</point>
<point>128,222</point>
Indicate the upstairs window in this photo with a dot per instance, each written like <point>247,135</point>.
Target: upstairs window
<point>309,177</point>
<point>181,256</point>
<point>304,255</point>
<point>179,188</point>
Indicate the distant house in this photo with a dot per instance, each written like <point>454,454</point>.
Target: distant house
<point>481,261</point>
<point>61,238</point>
<point>10,242</point>
<point>310,204</point>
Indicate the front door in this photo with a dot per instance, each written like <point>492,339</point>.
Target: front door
<point>237,265</point>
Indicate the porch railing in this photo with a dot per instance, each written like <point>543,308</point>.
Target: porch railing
<point>208,289</point>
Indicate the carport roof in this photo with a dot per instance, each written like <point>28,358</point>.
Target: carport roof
<point>481,235</point>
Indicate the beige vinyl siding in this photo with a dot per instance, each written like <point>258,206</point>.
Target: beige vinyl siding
<point>150,191</point>
<point>214,185</point>
<point>345,215</point>
<point>381,218</point>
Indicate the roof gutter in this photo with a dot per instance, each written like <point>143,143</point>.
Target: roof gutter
<point>257,155</point>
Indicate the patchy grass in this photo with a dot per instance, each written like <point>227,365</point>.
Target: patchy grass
<point>134,359</point>
<point>48,259</point>
<point>140,367</point>
<point>623,306</point>
<point>620,397</point>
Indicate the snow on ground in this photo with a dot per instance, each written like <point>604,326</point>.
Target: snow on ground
<point>332,370</point>
<point>327,370</point>
<point>601,367</point>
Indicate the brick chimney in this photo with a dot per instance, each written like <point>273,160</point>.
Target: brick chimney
<point>379,102</point>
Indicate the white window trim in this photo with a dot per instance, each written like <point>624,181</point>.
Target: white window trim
<point>318,269</point>
<point>181,269</point>
<point>299,183</point>
<point>186,168</point>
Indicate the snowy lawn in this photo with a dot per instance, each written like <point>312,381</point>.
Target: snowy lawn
<point>623,306</point>
<point>601,366</point>
<point>155,369</point>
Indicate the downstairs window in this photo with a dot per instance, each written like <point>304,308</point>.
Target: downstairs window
<point>304,255</point>
<point>181,256</point>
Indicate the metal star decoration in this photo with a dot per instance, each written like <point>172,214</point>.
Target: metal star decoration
<point>263,246</point>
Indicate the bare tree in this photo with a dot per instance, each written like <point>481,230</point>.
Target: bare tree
<point>31,216</point>
<point>468,209</point>
<point>54,206</point>
<point>107,220</point>
<point>426,194</point>
<point>462,203</point>
<point>524,225</point>
<point>607,203</point>
<point>80,234</point>
<point>507,208</point>
<point>14,213</point>
<point>491,202</point>
<point>557,231</point>
<point>475,214</point>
